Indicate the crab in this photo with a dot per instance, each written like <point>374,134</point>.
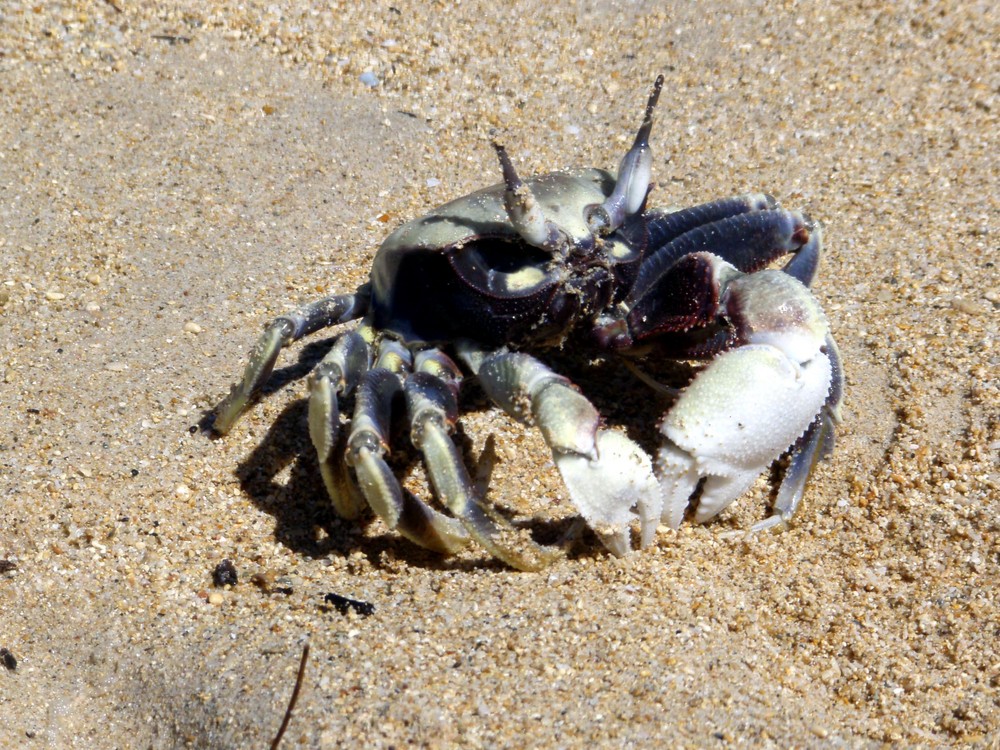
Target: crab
<point>484,285</point>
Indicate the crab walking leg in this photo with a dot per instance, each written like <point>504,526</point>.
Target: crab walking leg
<point>804,263</point>
<point>749,241</point>
<point>607,475</point>
<point>666,225</point>
<point>335,376</point>
<point>366,447</point>
<point>433,408</point>
<point>282,331</point>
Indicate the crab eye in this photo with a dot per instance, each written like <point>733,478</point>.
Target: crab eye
<point>598,221</point>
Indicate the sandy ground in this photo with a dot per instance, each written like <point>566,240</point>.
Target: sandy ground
<point>172,179</point>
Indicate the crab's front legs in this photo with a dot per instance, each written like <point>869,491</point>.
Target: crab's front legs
<point>747,407</point>
<point>282,331</point>
<point>779,388</point>
<point>607,475</point>
<point>366,447</point>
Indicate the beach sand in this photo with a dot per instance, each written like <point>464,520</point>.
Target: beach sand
<point>171,180</point>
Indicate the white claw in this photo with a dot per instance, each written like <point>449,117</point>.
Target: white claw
<point>606,489</point>
<point>741,412</point>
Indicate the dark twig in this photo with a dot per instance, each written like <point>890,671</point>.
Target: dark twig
<point>293,699</point>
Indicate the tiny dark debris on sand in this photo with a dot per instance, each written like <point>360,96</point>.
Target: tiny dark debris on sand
<point>8,660</point>
<point>343,605</point>
<point>225,574</point>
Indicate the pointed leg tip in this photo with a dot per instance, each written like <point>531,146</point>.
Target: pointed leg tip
<point>226,414</point>
<point>618,541</point>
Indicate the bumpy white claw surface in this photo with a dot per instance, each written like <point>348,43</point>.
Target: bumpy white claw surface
<point>747,407</point>
<point>605,490</point>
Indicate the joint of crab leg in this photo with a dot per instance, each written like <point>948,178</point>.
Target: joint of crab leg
<point>336,375</point>
<point>474,355</point>
<point>281,332</point>
<point>432,407</point>
<point>328,311</point>
<point>528,390</point>
<point>568,421</point>
<point>607,475</point>
<point>632,184</point>
<point>366,447</point>
<point>393,356</point>
<point>372,410</point>
<point>403,512</point>
<point>524,211</point>
<point>368,442</point>
<point>804,263</point>
<point>440,365</point>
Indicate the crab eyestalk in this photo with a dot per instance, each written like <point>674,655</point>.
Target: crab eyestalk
<point>525,213</point>
<point>634,173</point>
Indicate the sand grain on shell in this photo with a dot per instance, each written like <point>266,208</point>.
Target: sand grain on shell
<point>173,178</point>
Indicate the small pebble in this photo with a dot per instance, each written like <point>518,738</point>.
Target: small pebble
<point>225,574</point>
<point>8,660</point>
<point>369,79</point>
<point>966,306</point>
<point>53,295</point>
<point>192,327</point>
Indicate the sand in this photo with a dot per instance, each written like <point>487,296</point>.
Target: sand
<point>170,180</point>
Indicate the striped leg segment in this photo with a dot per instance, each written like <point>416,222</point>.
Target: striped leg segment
<point>367,445</point>
<point>431,398</point>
